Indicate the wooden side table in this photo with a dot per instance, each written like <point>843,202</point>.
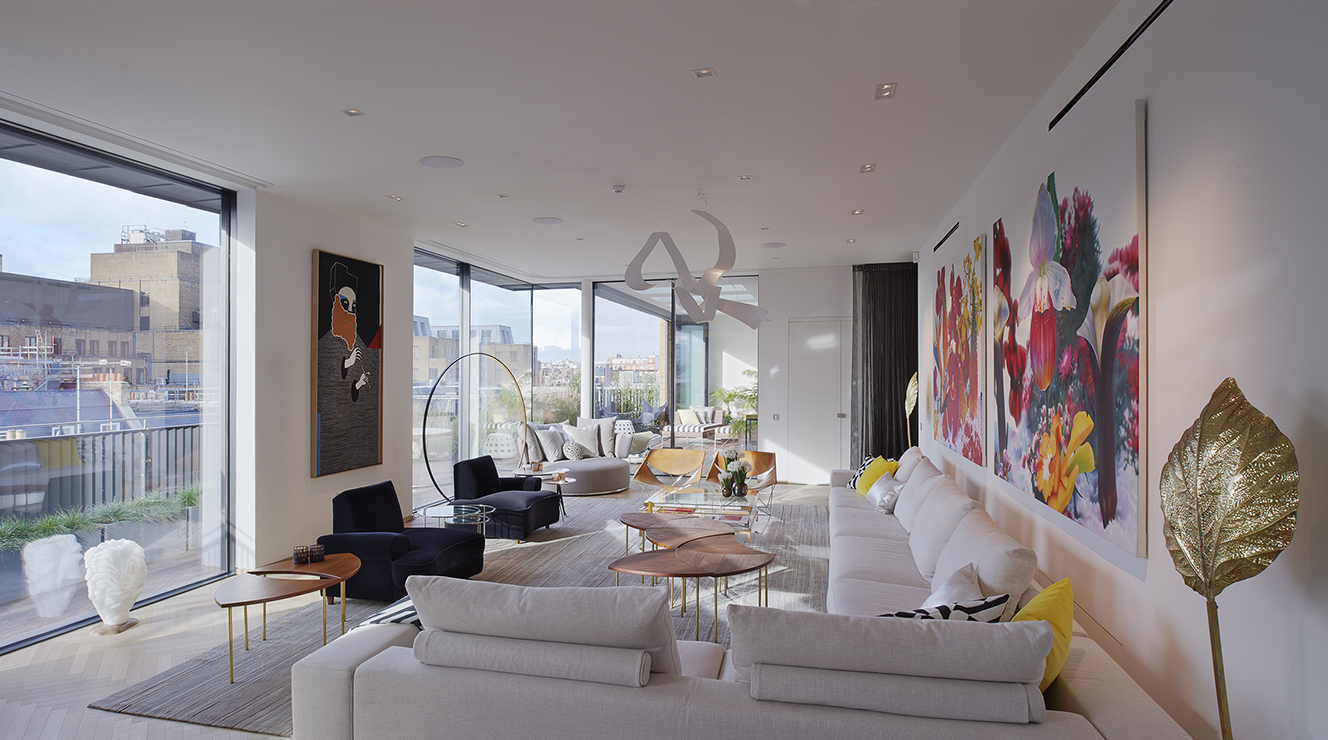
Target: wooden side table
<point>255,588</point>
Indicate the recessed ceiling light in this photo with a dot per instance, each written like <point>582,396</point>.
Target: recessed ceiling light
<point>773,245</point>
<point>857,212</point>
<point>353,112</point>
<point>867,168</point>
<point>885,90</point>
<point>443,163</point>
<point>395,197</point>
<point>707,72</point>
<point>504,195</point>
<point>547,220</point>
<point>849,241</point>
<point>458,223</point>
<point>744,177</point>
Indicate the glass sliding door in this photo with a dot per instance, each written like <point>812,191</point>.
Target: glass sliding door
<point>114,360</point>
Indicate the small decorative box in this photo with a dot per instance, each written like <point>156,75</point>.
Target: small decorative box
<point>300,555</point>
<point>315,553</point>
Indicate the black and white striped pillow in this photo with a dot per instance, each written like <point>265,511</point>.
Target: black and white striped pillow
<point>401,611</point>
<point>853,481</point>
<point>983,610</point>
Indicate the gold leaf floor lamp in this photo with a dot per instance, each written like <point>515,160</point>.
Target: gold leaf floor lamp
<point>1229,499</point>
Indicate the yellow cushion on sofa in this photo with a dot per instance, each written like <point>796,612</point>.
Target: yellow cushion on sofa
<point>1055,605</point>
<point>878,467</point>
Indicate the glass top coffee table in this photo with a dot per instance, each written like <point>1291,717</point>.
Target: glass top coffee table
<point>473,515</point>
<point>704,500</point>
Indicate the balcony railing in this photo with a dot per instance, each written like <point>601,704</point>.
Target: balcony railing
<point>79,471</point>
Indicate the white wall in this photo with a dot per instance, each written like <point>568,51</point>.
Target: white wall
<point>787,294</point>
<point>1237,160</point>
<point>278,503</point>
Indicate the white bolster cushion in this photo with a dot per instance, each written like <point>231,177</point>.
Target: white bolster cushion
<point>636,617</point>
<point>618,666</point>
<point>1013,652</point>
<point>944,698</point>
<point>907,461</point>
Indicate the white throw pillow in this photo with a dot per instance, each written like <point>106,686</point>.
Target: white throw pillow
<point>687,417</point>
<point>587,437</point>
<point>878,489</point>
<point>534,451</point>
<point>603,430</point>
<point>962,585</point>
<point>551,441</point>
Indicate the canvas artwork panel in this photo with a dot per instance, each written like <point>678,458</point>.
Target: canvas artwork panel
<point>958,411</point>
<point>348,344</point>
<point>1067,340</point>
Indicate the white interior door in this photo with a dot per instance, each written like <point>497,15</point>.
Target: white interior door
<point>819,377</point>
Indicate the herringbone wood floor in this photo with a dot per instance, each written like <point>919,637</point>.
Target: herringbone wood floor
<point>45,688</point>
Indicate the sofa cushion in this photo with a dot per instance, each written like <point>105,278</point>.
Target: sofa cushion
<point>876,559</point>
<point>701,659</point>
<point>551,442</point>
<point>636,617</point>
<point>612,665</point>
<point>862,598</point>
<point>851,523</point>
<point>576,451</point>
<point>586,436</point>
<point>943,698</point>
<point>858,471</point>
<point>687,417</point>
<point>534,452</point>
<point>878,468</point>
<point>988,609</point>
<point>961,585</point>
<point>884,493</point>
<point>915,492</point>
<point>1014,652</point>
<point>603,432</point>
<point>936,522</point>
<point>1003,565</point>
<point>907,462</point>
<point>1055,605</point>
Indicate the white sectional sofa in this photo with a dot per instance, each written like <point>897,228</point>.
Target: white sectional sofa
<point>499,661</point>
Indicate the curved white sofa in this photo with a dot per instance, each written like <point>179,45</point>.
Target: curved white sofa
<point>603,663</point>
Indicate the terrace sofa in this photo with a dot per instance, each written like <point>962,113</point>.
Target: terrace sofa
<point>495,660</point>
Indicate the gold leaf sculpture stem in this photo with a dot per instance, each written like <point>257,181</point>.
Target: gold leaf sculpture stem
<point>1219,674</point>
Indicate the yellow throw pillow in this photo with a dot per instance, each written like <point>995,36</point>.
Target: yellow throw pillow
<point>1055,605</point>
<point>878,467</point>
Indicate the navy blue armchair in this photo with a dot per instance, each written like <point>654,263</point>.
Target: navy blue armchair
<point>520,507</point>
<point>367,523</point>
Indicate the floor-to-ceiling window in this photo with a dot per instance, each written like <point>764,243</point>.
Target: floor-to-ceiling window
<point>499,328</point>
<point>114,301</point>
<point>556,334</point>
<point>436,345</point>
<point>632,354</point>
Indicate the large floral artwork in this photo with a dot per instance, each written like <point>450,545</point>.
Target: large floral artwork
<point>958,410</point>
<point>1066,343</point>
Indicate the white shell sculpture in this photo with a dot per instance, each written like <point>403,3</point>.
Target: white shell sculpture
<point>117,570</point>
<point>53,567</point>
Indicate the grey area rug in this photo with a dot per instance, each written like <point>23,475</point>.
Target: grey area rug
<point>574,552</point>
<point>199,691</point>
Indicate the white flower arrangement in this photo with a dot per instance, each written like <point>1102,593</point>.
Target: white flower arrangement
<point>739,465</point>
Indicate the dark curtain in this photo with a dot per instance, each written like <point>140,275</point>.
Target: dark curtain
<point>885,357</point>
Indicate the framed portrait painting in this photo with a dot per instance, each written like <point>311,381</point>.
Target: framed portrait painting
<point>347,373</point>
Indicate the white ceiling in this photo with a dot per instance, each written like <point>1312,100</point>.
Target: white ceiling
<point>553,102</point>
